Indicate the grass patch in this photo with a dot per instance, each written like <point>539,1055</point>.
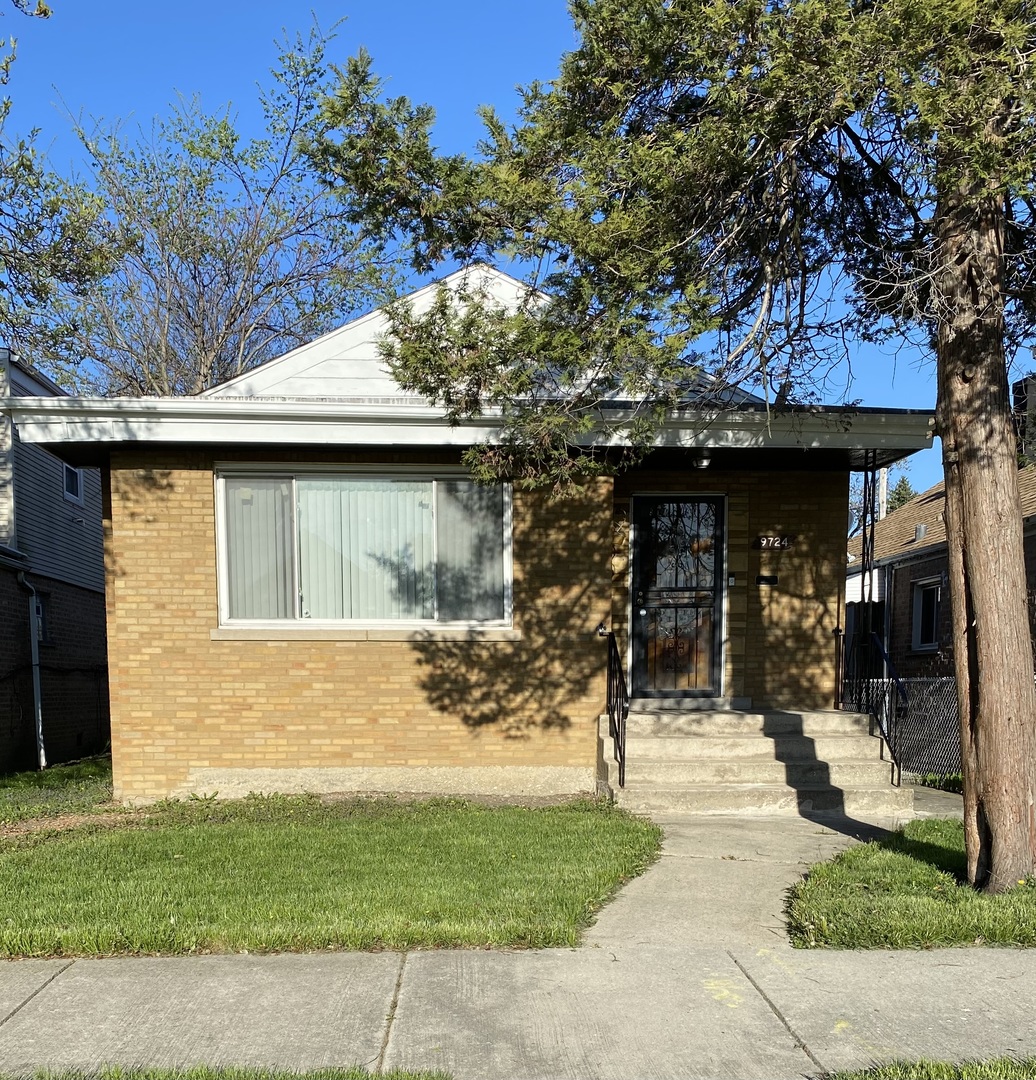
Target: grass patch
<point>907,891</point>
<point>293,873</point>
<point>994,1069</point>
<point>79,788</point>
<point>115,1072</point>
<point>942,781</point>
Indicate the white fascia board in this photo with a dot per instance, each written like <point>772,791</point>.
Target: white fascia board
<point>263,420</point>
<point>756,429</point>
<point>239,420</point>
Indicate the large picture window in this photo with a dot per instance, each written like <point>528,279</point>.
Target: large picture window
<point>332,547</point>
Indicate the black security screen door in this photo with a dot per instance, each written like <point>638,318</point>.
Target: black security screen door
<point>677,592</point>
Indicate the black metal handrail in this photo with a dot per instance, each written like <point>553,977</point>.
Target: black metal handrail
<point>618,706</point>
<point>885,697</point>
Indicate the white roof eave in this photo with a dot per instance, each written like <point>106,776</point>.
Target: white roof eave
<point>326,422</point>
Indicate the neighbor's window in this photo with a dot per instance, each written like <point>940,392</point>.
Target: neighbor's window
<point>73,484</point>
<point>338,548</point>
<point>927,596</point>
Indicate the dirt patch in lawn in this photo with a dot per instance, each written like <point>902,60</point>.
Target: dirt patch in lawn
<point>62,823</point>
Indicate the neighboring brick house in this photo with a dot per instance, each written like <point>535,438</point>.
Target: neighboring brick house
<point>51,543</point>
<point>306,592</point>
<point>909,586</point>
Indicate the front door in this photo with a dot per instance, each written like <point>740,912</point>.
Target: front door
<point>677,595</point>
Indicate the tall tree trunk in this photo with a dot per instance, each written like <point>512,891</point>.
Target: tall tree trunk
<point>992,652</point>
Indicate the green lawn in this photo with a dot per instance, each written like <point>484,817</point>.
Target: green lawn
<point>905,892</point>
<point>995,1069</point>
<point>292,874</point>
<point>63,789</point>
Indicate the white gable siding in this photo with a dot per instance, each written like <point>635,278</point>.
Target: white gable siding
<point>346,363</point>
<point>356,372</point>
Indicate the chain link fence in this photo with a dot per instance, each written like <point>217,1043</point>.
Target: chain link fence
<point>918,718</point>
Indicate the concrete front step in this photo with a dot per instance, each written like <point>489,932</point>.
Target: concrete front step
<point>841,774</point>
<point>729,722</point>
<point>752,748</point>
<point>690,704</point>
<point>870,802</point>
<point>772,762</point>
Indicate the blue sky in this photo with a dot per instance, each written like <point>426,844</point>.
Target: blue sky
<point>126,60</point>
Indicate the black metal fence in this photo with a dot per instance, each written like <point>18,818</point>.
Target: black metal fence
<point>918,719</point>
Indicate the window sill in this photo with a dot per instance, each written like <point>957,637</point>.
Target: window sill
<point>347,633</point>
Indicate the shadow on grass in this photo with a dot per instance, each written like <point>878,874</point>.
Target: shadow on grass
<point>935,842</point>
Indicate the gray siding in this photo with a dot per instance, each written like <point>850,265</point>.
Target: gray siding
<point>61,539</point>
<point>6,483</point>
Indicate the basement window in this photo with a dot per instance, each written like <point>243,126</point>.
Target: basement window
<point>363,549</point>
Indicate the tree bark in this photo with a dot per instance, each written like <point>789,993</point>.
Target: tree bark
<point>992,652</point>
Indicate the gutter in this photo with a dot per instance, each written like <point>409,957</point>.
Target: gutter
<point>12,560</point>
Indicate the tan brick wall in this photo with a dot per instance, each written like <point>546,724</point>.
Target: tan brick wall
<point>779,645</point>
<point>188,710</point>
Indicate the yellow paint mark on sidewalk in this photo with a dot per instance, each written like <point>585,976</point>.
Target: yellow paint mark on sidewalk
<point>721,989</point>
<point>876,1050</point>
<point>768,954</point>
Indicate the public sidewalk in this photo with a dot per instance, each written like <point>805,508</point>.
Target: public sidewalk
<point>686,975</point>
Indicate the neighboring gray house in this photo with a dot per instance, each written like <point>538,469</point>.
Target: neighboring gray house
<point>51,588</point>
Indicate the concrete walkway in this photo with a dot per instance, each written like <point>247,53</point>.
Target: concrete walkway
<point>686,975</point>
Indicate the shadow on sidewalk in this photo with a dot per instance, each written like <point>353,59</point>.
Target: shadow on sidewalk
<point>819,800</point>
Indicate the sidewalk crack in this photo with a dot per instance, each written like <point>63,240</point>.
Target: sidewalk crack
<point>39,990</point>
<point>380,1065</point>
<point>796,1038</point>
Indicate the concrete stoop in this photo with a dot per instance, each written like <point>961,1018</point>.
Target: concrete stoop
<point>735,760</point>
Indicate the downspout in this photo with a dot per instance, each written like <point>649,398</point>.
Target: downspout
<point>890,588</point>
<point>34,646</point>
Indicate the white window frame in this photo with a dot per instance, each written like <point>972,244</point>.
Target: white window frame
<point>303,626</point>
<point>69,497</point>
<point>917,590</point>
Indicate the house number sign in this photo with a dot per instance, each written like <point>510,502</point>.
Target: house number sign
<point>776,543</point>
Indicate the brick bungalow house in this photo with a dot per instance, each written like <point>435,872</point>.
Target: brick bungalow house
<point>305,591</point>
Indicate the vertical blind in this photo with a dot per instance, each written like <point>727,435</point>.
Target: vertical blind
<point>367,549</point>
<point>259,556</point>
<point>470,568</point>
